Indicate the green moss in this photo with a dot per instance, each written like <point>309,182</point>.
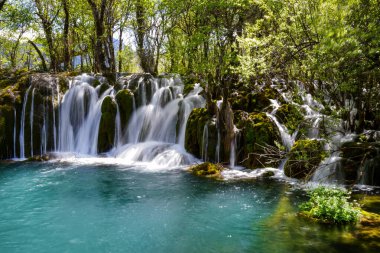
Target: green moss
<point>103,88</point>
<point>198,118</point>
<point>207,169</point>
<point>257,131</point>
<point>125,101</point>
<point>290,116</point>
<point>304,158</point>
<point>107,125</point>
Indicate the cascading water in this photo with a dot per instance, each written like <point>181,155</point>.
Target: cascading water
<point>54,126</point>
<point>153,128</point>
<point>205,142</point>
<point>155,132</point>
<point>80,114</point>
<point>22,124</point>
<point>31,122</point>
<point>14,132</point>
<point>117,137</point>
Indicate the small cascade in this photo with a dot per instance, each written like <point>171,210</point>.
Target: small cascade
<point>233,153</point>
<point>53,110</point>
<point>118,135</point>
<point>31,122</point>
<point>205,143</point>
<point>22,124</point>
<point>287,139</point>
<point>43,142</point>
<point>218,142</point>
<point>14,132</point>
<point>80,114</point>
<point>329,171</point>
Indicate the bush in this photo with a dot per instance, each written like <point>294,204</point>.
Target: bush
<point>330,205</point>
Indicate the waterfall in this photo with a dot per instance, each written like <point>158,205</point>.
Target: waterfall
<point>329,171</point>
<point>80,114</point>
<point>287,139</point>
<point>233,148</point>
<point>14,133</point>
<point>205,143</point>
<point>43,143</point>
<point>117,137</point>
<point>155,131</point>
<point>31,116</point>
<point>52,108</point>
<point>22,124</point>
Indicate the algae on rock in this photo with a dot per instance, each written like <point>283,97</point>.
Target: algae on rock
<point>107,125</point>
<point>304,158</point>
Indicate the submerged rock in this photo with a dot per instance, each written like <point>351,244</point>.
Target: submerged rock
<point>304,158</point>
<point>207,169</point>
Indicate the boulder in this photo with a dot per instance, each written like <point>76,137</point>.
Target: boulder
<point>207,169</point>
<point>304,158</point>
<point>256,131</point>
<point>107,125</point>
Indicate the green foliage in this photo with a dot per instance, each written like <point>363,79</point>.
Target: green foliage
<point>330,205</point>
<point>304,158</point>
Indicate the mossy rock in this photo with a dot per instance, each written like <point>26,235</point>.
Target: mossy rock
<point>304,158</point>
<point>257,131</point>
<point>255,101</point>
<point>107,125</point>
<point>198,118</point>
<point>290,116</point>
<point>125,101</point>
<point>207,169</point>
<point>103,87</point>
<point>39,158</point>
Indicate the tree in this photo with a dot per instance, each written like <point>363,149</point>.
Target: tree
<point>103,59</point>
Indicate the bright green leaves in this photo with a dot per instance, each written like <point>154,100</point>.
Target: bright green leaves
<point>330,205</point>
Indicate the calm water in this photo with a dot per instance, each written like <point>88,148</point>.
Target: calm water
<point>66,207</point>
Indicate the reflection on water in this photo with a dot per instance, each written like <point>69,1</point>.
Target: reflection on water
<point>69,207</point>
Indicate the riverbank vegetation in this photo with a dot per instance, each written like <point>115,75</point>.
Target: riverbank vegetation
<point>333,47</point>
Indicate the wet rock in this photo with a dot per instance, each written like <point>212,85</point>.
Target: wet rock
<point>304,158</point>
<point>125,101</point>
<point>207,169</point>
<point>257,131</point>
<point>198,118</point>
<point>107,125</point>
<point>290,116</point>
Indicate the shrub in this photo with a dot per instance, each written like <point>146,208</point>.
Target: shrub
<point>330,205</point>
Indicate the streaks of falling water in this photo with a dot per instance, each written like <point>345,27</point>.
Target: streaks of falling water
<point>14,132</point>
<point>117,137</point>
<point>205,143</point>
<point>53,112</point>
<point>22,124</point>
<point>31,115</point>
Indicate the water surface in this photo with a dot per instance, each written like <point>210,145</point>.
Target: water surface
<point>73,207</point>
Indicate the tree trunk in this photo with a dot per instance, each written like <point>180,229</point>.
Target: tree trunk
<point>99,54</point>
<point>67,58</point>
<point>48,30</point>
<point>120,68</point>
<point>146,59</point>
<point>39,54</point>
